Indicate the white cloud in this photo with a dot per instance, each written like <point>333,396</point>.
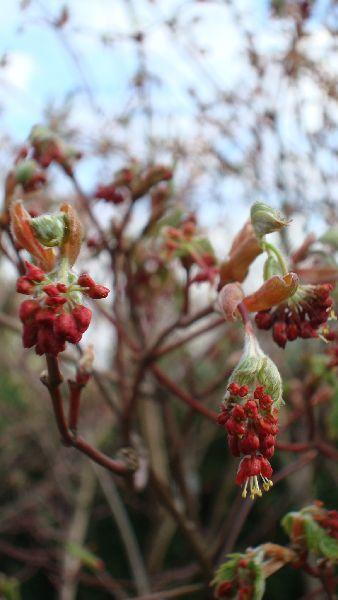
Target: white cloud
<point>19,70</point>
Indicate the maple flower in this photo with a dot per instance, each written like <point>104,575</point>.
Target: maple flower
<point>314,529</point>
<point>54,314</point>
<point>304,315</point>
<point>251,423</point>
<point>241,576</point>
<point>249,415</point>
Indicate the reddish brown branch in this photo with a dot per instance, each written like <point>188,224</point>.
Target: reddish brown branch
<point>53,381</point>
<point>182,394</point>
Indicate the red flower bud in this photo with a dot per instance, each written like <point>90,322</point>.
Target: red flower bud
<point>97,292</point>
<point>268,441</point>
<point>82,316</point>
<point>268,452</point>
<point>34,273</point>
<point>265,467</point>
<point>259,391</point>
<point>292,331</point>
<point>234,388</point>
<point>264,319</point>
<point>85,280</point>
<point>279,333</point>
<point>249,444</point>
<point>243,470</point>
<point>55,301</point>
<point>251,409</point>
<point>222,418</point>
<point>29,335</point>
<point>47,342</point>
<point>65,327</point>
<point>45,316</point>
<point>62,287</point>
<point>24,286</point>
<point>234,428</point>
<point>243,391</point>
<point>254,466</point>
<point>27,309</point>
<point>51,290</point>
<point>307,331</point>
<point>238,413</point>
<point>266,401</point>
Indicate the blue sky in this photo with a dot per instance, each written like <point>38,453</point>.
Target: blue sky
<point>41,70</point>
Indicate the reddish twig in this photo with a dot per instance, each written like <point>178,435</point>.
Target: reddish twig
<point>53,381</point>
<point>182,394</point>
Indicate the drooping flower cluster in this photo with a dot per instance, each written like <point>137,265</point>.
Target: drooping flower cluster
<point>109,193</point>
<point>252,426</point>
<point>134,180</point>
<point>249,415</point>
<point>182,241</point>
<point>48,147</point>
<point>314,529</point>
<point>304,315</point>
<point>329,521</point>
<point>241,577</point>
<point>55,314</point>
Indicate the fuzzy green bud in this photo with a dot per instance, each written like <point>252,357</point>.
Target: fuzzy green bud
<point>25,170</point>
<point>50,230</point>
<point>39,133</point>
<point>256,368</point>
<point>266,219</point>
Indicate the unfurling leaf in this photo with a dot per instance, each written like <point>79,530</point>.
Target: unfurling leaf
<point>245,248</point>
<point>24,234</point>
<point>272,292</point>
<point>74,234</point>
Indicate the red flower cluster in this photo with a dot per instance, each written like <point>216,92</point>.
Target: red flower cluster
<point>190,250</point>
<point>302,318</point>
<point>227,589</point>
<point>109,193</point>
<point>54,316</point>
<point>242,584</point>
<point>329,521</point>
<point>252,426</point>
<point>48,147</point>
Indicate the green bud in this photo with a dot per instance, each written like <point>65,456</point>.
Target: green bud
<point>39,133</point>
<point>266,219</point>
<point>330,237</point>
<point>256,368</point>
<point>25,170</point>
<point>50,230</point>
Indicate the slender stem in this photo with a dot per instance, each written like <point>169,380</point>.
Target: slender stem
<point>182,394</point>
<point>242,309</point>
<point>53,381</point>
<point>188,528</point>
<point>75,390</point>
<point>197,332</point>
<point>268,247</point>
